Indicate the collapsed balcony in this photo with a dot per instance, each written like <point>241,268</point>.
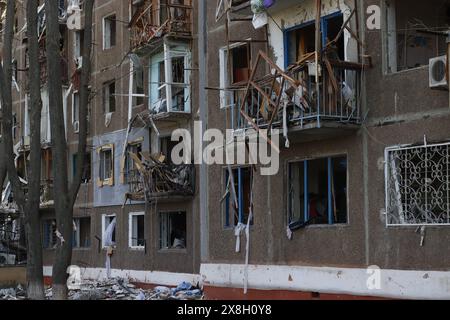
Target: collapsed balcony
<point>292,98</point>
<point>153,19</point>
<point>157,180</point>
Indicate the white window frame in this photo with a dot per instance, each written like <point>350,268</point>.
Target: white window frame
<point>105,29</point>
<point>226,97</point>
<point>106,95</point>
<point>104,226</point>
<point>172,50</point>
<point>75,113</point>
<point>131,227</point>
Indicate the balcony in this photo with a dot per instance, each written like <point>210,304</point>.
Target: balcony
<point>46,194</point>
<point>152,19</point>
<point>293,100</point>
<point>161,182</point>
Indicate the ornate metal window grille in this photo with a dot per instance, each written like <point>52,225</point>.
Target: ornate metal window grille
<point>418,185</point>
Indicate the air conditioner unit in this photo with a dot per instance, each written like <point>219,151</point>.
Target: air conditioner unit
<point>438,73</point>
<point>7,259</point>
<point>79,62</point>
<point>76,126</point>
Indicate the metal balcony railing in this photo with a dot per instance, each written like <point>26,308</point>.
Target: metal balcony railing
<point>337,99</point>
<point>161,180</point>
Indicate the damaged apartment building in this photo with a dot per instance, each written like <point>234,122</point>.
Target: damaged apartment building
<point>363,183</point>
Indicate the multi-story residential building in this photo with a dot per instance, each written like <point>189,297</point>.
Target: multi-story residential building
<point>359,205</point>
<point>141,89</point>
<point>363,166</point>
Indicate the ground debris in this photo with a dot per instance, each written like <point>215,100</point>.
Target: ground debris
<point>115,289</point>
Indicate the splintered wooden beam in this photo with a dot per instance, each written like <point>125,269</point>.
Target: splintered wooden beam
<point>318,36</point>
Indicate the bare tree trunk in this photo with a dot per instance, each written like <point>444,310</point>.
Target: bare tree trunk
<point>64,203</point>
<point>32,219</point>
<point>28,204</point>
<point>64,223</point>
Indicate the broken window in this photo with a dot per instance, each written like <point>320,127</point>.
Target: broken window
<point>242,186</point>
<point>108,230</point>
<point>109,32</point>
<point>106,165</point>
<point>170,77</point>
<point>109,97</point>
<point>82,232</point>
<point>136,230</point>
<point>172,228</point>
<point>234,69</point>
<point>78,44</point>
<point>166,146</point>
<point>408,44</point>
<point>49,239</point>
<point>131,172</point>
<point>301,40</point>
<point>317,191</point>
<point>417,186</point>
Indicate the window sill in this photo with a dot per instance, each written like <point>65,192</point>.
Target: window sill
<point>327,226</point>
<point>406,71</point>
<point>178,251</point>
<point>138,249</point>
<point>81,249</point>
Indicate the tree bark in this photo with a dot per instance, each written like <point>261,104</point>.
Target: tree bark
<point>28,204</point>
<point>64,203</point>
<point>35,275</point>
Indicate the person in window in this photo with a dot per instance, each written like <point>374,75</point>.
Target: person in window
<point>316,210</point>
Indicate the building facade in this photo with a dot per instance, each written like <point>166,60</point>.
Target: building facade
<point>359,206</point>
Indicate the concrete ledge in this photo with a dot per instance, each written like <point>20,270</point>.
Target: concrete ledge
<point>328,280</point>
<point>12,276</point>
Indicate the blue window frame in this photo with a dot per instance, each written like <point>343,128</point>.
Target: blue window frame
<point>317,191</point>
<point>326,23</point>
<point>242,184</point>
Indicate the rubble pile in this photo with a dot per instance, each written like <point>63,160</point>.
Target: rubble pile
<point>17,293</point>
<point>115,289</point>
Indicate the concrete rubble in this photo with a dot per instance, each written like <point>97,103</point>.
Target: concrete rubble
<point>115,289</point>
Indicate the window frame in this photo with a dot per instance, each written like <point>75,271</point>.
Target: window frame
<point>330,213</point>
<point>108,97</point>
<point>101,181</point>
<point>167,214</point>
<point>132,215</point>
<point>104,227</point>
<point>227,210</point>
<point>224,73</point>
<point>387,191</point>
<point>76,233</point>
<point>104,38</point>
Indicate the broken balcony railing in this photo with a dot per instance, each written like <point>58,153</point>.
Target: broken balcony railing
<point>12,249</point>
<point>155,18</point>
<point>160,181</point>
<point>337,100</point>
<point>46,193</point>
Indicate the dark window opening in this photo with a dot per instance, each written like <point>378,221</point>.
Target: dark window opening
<point>109,97</point>
<point>130,165</point>
<point>317,191</point>
<point>137,230</point>
<point>82,233</point>
<point>408,46</point>
<point>172,226</point>
<point>242,186</point>
<point>240,62</point>
<point>50,239</point>
<point>110,32</point>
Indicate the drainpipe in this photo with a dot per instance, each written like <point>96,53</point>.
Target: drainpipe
<point>202,99</point>
<point>448,65</point>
